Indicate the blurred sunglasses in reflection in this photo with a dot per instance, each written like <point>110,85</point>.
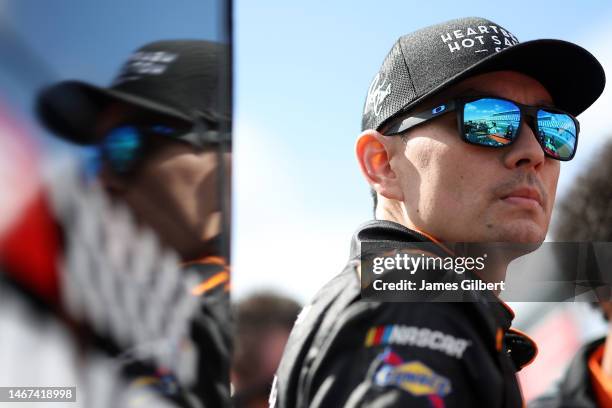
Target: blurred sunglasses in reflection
<point>124,146</point>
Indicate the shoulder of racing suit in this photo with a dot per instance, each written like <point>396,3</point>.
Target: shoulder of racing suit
<point>347,352</point>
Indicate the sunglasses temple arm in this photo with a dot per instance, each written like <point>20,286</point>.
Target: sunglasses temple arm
<point>201,136</point>
<point>420,117</point>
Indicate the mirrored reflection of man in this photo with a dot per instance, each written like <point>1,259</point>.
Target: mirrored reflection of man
<point>157,128</point>
<point>585,215</point>
<point>435,183</point>
<point>162,130</point>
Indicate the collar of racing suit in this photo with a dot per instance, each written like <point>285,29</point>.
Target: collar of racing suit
<point>520,347</point>
<point>575,389</point>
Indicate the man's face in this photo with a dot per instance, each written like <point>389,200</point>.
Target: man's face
<point>459,192</point>
<point>174,190</point>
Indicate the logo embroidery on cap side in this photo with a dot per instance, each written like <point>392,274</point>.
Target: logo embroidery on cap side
<point>377,93</point>
<point>414,377</point>
<point>479,37</point>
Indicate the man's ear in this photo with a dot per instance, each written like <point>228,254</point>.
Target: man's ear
<point>374,157</point>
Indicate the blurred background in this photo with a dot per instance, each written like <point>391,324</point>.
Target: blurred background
<point>301,75</point>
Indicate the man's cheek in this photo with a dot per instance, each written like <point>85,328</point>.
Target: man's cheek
<point>461,191</point>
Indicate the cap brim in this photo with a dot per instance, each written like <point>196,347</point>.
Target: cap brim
<point>571,74</point>
<point>71,109</point>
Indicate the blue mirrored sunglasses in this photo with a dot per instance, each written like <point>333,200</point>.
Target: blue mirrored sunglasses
<point>122,147</point>
<point>496,122</point>
<point>125,145</point>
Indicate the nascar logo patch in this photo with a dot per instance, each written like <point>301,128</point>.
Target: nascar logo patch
<point>397,334</point>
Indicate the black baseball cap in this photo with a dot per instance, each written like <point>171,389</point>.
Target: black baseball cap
<point>427,61</point>
<point>181,80</point>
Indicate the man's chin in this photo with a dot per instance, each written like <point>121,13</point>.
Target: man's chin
<point>526,234</point>
<point>510,242</point>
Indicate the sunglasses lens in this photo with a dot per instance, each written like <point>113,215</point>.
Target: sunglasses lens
<point>121,147</point>
<point>490,122</point>
<point>557,133</point>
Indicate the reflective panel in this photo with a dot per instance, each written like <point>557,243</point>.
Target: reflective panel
<point>491,122</point>
<point>557,132</point>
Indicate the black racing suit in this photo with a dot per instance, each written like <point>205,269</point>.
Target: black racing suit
<point>575,390</point>
<point>346,352</point>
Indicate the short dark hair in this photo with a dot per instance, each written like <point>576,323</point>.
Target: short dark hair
<point>264,309</point>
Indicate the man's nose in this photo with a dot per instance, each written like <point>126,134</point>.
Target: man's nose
<point>526,150</point>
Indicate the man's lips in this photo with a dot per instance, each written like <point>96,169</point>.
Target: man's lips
<point>527,197</point>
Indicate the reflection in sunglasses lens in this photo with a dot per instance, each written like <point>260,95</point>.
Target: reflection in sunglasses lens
<point>557,132</point>
<point>490,122</point>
